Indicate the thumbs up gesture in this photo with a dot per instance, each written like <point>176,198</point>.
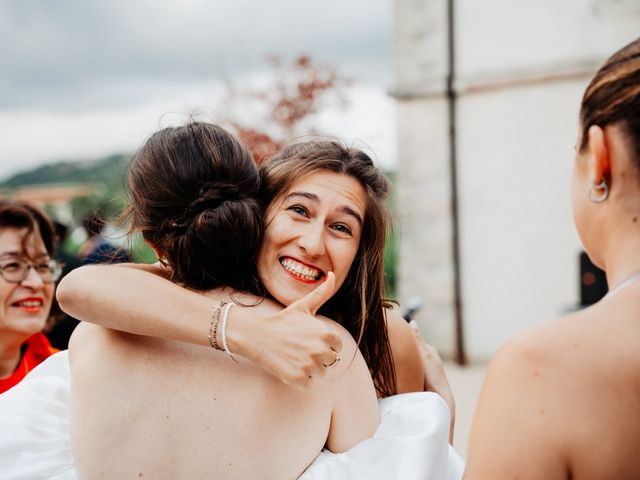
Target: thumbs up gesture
<point>312,302</point>
<point>293,344</point>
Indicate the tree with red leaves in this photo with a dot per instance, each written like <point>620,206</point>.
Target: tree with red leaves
<point>289,100</point>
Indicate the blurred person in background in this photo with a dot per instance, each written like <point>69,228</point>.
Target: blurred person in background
<point>96,248</point>
<point>61,325</point>
<point>562,400</point>
<point>27,278</point>
<point>69,261</point>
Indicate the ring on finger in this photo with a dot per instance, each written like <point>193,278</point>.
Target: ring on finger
<point>335,360</point>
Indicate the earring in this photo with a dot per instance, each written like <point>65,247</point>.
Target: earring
<point>601,186</point>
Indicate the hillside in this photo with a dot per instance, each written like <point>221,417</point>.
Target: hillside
<point>109,170</point>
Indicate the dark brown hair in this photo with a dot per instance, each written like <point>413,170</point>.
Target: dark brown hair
<point>359,304</point>
<point>20,214</point>
<point>613,96</point>
<point>195,197</point>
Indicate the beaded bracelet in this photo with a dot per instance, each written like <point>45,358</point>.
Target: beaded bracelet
<point>225,318</point>
<point>213,327</point>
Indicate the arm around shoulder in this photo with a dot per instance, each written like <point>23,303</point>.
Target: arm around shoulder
<point>135,300</point>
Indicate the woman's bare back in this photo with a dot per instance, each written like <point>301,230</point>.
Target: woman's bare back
<point>144,407</point>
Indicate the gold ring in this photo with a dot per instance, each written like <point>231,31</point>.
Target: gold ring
<point>335,360</point>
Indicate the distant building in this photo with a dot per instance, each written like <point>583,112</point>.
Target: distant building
<point>499,100</point>
<point>56,197</point>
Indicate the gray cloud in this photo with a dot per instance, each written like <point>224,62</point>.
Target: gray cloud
<point>73,54</point>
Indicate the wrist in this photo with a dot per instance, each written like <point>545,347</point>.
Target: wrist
<point>238,332</point>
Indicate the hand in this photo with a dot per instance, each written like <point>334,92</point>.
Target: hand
<point>293,344</point>
<point>435,379</point>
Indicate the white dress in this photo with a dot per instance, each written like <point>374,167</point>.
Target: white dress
<point>411,442</point>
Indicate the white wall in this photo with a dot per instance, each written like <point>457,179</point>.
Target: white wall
<point>519,251</point>
<point>424,216</point>
<point>497,36</point>
<point>521,68</point>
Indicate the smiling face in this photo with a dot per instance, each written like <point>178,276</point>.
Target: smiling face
<point>313,228</point>
<point>24,306</point>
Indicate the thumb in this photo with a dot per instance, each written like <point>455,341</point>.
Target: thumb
<point>312,301</point>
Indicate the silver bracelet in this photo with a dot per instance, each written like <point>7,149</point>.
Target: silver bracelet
<point>225,319</point>
<point>213,327</point>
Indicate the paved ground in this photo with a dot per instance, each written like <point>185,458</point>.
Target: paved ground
<point>465,383</point>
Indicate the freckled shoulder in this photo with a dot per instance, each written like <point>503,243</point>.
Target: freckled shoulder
<point>406,356</point>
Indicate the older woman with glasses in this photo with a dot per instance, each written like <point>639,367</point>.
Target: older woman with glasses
<point>27,278</point>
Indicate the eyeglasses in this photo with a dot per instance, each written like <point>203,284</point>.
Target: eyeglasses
<point>16,271</point>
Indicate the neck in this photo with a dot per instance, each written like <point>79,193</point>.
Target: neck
<point>622,256</point>
<point>9,355</point>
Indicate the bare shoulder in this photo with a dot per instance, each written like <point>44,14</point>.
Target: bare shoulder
<point>554,391</point>
<point>91,345</point>
<point>534,362</point>
<point>525,406</point>
<point>82,338</point>
<point>355,412</point>
<point>397,327</point>
<point>406,356</point>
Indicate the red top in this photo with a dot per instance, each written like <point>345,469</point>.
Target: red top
<point>38,349</point>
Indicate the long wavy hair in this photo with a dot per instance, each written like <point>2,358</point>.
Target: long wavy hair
<point>359,304</point>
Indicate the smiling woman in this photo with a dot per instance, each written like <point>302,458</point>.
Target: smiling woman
<point>203,408</point>
<point>326,213</point>
<point>26,289</point>
<point>312,230</point>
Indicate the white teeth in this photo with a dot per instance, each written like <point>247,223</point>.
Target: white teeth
<point>300,270</point>
<point>29,304</point>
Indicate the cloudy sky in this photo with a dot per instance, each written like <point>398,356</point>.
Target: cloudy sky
<point>83,79</point>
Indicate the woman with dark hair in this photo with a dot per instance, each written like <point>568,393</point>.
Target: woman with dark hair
<point>27,278</point>
<point>188,185</point>
<point>560,401</point>
<point>194,199</point>
<point>357,303</point>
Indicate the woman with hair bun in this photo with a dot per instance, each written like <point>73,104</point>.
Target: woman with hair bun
<point>560,401</point>
<point>194,198</point>
<point>357,302</point>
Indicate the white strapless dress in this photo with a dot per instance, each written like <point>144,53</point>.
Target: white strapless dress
<point>411,442</point>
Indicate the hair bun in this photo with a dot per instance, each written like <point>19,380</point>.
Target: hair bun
<point>210,196</point>
<point>195,196</point>
<point>222,190</point>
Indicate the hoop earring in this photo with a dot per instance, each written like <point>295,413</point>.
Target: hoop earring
<point>601,186</point>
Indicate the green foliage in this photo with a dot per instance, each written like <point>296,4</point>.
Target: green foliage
<point>140,250</point>
<point>105,175</point>
<point>109,171</point>
<point>390,262</point>
<point>393,243</point>
<point>108,204</point>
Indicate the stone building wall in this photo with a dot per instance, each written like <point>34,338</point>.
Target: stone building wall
<point>520,69</point>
